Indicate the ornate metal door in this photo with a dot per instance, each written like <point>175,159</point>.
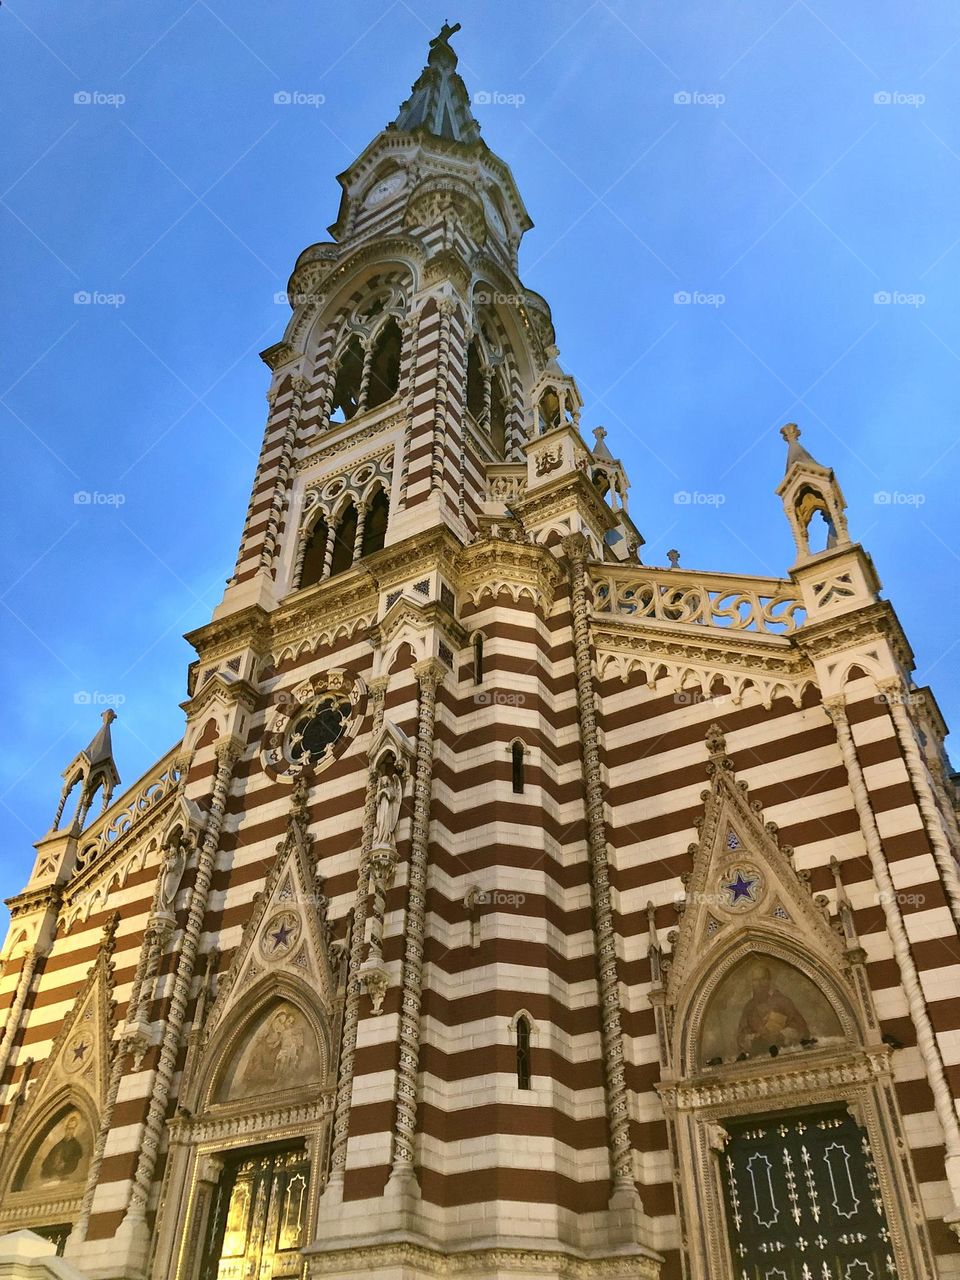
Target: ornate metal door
<point>803,1201</point>
<point>259,1219</point>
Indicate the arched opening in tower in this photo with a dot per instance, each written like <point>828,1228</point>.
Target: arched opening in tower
<point>344,541</point>
<point>375,525</point>
<point>315,553</point>
<point>346,389</point>
<point>385,365</point>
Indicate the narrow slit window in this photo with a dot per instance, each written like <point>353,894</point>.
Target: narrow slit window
<point>523,1053</point>
<point>478,659</point>
<point>516,761</point>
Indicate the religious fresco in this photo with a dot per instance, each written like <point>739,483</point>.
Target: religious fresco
<point>279,1052</point>
<point>765,1003</point>
<point>60,1157</point>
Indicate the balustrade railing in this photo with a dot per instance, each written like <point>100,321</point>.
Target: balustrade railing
<point>706,600</point>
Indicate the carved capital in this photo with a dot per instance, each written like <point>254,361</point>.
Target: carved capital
<point>576,548</point>
<point>836,708</point>
<point>429,673</point>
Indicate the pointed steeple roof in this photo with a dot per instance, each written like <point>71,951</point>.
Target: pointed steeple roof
<point>93,767</point>
<point>101,745</point>
<point>439,102</point>
<point>795,450</point>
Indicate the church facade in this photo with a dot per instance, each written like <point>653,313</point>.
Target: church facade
<point>508,907</point>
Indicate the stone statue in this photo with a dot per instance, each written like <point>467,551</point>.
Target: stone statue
<point>389,799</point>
<point>174,865</point>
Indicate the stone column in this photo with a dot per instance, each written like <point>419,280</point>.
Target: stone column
<point>625,1194</point>
<point>12,1025</point>
<point>134,1227</point>
<point>447,308</point>
<point>402,1176</point>
<point>900,942</point>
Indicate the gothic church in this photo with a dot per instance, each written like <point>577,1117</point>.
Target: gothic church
<point>508,908</point>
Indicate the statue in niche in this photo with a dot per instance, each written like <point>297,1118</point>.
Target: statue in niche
<point>389,797</point>
<point>174,865</point>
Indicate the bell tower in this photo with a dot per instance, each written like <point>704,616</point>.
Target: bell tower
<point>414,356</point>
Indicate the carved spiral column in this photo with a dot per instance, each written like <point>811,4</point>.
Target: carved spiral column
<point>12,1025</point>
<point>410,329</point>
<point>364,392</point>
<point>926,1038</point>
<point>281,483</point>
<point>446,307</point>
<point>429,674</point>
<point>612,1031</point>
<point>227,754</point>
<point>944,857</point>
<point>351,1015</point>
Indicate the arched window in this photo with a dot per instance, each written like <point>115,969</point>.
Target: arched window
<point>385,366</point>
<point>523,1053</point>
<point>313,557</point>
<point>346,389</point>
<point>344,541</point>
<point>375,525</point>
<point>516,762</point>
<point>478,659</point>
<point>474,382</point>
<point>549,410</point>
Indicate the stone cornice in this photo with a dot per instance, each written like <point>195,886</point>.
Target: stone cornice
<point>877,619</point>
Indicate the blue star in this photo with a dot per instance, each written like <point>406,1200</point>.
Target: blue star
<point>741,888</point>
<point>281,937</point>
<point>78,1051</point>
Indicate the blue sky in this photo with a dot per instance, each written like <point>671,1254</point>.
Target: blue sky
<point>792,159</point>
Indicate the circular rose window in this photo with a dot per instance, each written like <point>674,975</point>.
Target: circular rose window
<point>313,733</point>
<point>313,724</point>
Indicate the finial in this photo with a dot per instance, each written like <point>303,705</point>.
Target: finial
<point>716,742</point>
<point>599,434</point>
<point>790,432</point>
<point>673,555</point>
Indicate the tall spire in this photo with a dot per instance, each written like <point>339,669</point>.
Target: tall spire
<point>439,102</point>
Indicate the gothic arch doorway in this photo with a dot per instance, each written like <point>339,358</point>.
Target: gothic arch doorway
<point>784,1126</point>
<point>249,1149</point>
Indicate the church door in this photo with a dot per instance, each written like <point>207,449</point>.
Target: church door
<point>803,1201</point>
<point>259,1219</point>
